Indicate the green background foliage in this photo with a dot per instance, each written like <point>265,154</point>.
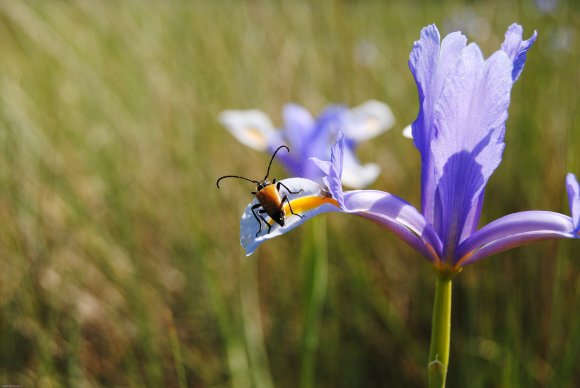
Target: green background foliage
<point>121,263</point>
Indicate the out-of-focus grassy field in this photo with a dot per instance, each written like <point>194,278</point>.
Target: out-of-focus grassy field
<point>121,264</point>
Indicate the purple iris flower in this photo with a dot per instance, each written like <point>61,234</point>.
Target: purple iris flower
<point>459,133</point>
<point>310,137</point>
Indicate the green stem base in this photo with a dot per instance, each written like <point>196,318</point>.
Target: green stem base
<point>440,334</point>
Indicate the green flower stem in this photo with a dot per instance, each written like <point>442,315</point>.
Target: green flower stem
<point>315,258</point>
<point>440,333</point>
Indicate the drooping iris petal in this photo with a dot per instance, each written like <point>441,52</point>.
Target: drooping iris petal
<point>384,208</point>
<point>368,120</point>
<point>523,228</point>
<point>311,201</point>
<point>511,231</point>
<point>469,121</point>
<point>574,200</point>
<point>516,48</point>
<point>251,127</point>
<point>396,215</point>
<point>431,61</point>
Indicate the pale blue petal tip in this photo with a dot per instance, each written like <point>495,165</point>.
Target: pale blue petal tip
<point>573,189</point>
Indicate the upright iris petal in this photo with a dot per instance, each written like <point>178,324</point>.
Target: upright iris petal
<point>516,48</point>
<point>469,122</point>
<point>461,124</point>
<point>430,62</point>
<point>312,137</point>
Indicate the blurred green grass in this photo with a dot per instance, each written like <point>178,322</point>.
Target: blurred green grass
<point>121,261</point>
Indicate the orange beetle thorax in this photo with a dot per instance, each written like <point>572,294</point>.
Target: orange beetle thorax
<point>270,199</point>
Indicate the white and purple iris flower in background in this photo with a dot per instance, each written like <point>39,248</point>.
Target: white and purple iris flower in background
<point>459,133</point>
<point>309,137</point>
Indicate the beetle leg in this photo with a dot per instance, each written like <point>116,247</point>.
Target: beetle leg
<point>260,212</point>
<point>290,206</point>
<point>256,206</point>
<point>287,189</point>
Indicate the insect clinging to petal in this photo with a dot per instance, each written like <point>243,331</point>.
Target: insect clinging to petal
<point>270,201</point>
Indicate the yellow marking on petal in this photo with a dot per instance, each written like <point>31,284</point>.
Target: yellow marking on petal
<point>303,204</point>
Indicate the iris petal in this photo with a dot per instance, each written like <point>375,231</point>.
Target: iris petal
<point>431,61</point>
<point>517,49</point>
<point>323,134</point>
<point>251,127</point>
<point>355,174</point>
<point>396,215</point>
<point>470,124</point>
<point>514,230</point>
<point>368,120</point>
<point>460,127</point>
<point>574,200</point>
<point>298,128</point>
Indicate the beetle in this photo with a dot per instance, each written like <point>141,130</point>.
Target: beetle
<point>270,201</point>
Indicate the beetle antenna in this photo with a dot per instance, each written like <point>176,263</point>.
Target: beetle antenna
<point>234,176</point>
<point>271,160</point>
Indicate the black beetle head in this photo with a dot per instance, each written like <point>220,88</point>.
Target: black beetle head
<point>262,184</point>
